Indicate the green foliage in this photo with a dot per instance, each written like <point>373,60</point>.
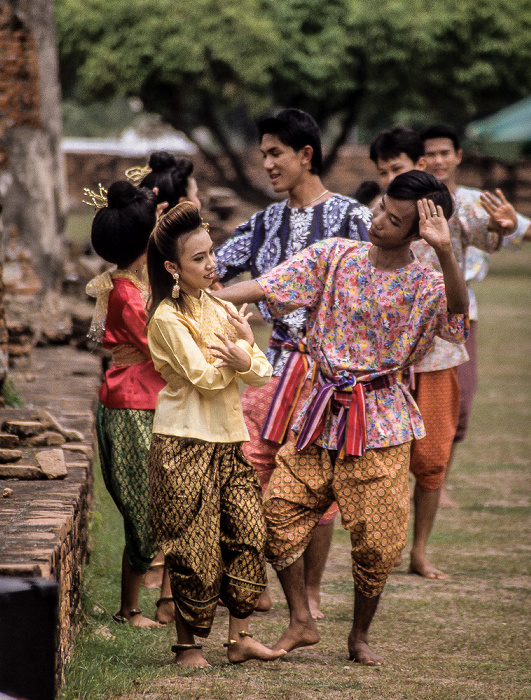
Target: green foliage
<point>218,65</point>
<point>10,393</point>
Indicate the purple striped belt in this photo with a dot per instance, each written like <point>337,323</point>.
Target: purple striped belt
<point>349,396</point>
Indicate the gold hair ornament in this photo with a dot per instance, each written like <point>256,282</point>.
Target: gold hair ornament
<point>98,200</point>
<point>136,175</point>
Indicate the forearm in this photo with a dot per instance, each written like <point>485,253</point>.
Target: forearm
<point>454,282</point>
<point>241,292</point>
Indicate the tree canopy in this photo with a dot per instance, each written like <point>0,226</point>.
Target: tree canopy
<point>218,65</point>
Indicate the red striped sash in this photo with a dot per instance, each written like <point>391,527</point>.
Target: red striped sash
<point>289,387</point>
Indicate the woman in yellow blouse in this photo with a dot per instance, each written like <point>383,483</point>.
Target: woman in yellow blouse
<point>206,505</point>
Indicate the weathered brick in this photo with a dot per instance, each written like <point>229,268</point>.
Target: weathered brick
<point>22,428</point>
<point>9,440</point>
<point>8,455</point>
<point>20,471</point>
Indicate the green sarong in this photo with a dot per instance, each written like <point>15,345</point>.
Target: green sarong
<point>124,437</point>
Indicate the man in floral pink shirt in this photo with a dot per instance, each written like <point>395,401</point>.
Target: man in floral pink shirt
<point>373,311</point>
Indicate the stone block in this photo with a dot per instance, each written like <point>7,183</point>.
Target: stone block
<point>51,422</point>
<point>8,456</point>
<point>22,570</point>
<point>9,440</point>
<point>46,439</point>
<point>20,471</point>
<point>83,449</point>
<point>23,428</point>
<point>52,463</point>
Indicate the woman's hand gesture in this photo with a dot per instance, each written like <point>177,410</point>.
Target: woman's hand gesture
<point>230,355</point>
<point>240,321</point>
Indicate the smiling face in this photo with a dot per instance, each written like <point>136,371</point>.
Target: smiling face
<point>197,263</point>
<point>389,169</point>
<point>441,158</point>
<point>286,167</point>
<point>392,222</point>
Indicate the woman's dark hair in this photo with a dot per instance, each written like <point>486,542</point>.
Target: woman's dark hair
<point>172,230</point>
<point>417,184</point>
<point>120,231</point>
<point>296,129</point>
<point>170,175</point>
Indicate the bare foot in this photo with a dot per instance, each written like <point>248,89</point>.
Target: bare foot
<point>398,560</point>
<point>360,652</point>
<point>314,602</point>
<point>153,576</point>
<point>264,602</point>
<point>136,620</point>
<point>191,658</point>
<point>444,499</point>
<point>165,611</point>
<point>298,635</point>
<point>247,648</point>
<point>419,564</point>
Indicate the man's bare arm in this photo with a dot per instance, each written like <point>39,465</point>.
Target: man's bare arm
<point>241,292</point>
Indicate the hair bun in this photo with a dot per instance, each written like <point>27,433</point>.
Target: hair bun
<point>183,167</point>
<point>162,160</point>
<point>121,194</point>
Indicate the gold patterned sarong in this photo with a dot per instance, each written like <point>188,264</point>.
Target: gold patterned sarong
<point>207,514</point>
<point>373,497</point>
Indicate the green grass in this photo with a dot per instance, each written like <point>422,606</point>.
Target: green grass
<point>464,638</point>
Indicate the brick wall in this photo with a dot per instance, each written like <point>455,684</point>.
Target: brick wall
<point>44,523</point>
<point>19,77</point>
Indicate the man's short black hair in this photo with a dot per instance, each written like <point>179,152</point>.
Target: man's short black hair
<point>367,191</point>
<point>417,184</point>
<point>441,131</point>
<point>296,129</point>
<point>392,142</point>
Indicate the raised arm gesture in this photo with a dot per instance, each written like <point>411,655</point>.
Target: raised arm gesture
<point>434,229</point>
<point>502,214</point>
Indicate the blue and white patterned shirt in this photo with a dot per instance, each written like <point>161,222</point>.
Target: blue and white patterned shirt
<point>275,234</point>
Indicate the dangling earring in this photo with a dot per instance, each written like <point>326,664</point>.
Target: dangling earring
<point>176,289</point>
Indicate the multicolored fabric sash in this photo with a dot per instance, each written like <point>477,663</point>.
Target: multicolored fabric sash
<point>348,396</point>
<point>289,387</point>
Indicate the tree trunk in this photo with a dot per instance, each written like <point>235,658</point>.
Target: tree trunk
<point>34,192</point>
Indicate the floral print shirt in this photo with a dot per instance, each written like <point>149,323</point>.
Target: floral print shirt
<point>366,322</point>
<point>470,235</point>
<point>275,234</point>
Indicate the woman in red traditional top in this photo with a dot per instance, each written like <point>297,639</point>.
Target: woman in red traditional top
<point>128,395</point>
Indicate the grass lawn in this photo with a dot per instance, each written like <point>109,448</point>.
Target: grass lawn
<point>464,638</point>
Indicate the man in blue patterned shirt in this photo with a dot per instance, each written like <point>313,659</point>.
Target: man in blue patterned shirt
<point>291,147</point>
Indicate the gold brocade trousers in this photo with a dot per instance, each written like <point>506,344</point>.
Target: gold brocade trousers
<point>373,498</point>
<point>207,515</point>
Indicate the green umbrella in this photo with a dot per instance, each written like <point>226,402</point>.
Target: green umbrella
<point>505,135</point>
